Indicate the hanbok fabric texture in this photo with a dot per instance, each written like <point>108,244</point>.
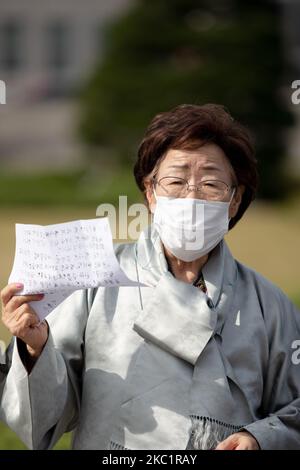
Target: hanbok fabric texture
<point>162,366</point>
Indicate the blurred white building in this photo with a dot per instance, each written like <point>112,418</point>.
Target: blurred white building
<point>46,51</point>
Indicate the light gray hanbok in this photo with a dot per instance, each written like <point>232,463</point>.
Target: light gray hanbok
<point>165,365</point>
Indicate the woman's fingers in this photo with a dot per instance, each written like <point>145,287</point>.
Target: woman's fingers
<point>17,300</point>
<point>21,319</point>
<point>11,301</point>
<point>12,318</point>
<point>21,311</point>
<point>228,444</point>
<point>20,327</point>
<point>241,440</point>
<point>9,291</point>
<point>14,306</point>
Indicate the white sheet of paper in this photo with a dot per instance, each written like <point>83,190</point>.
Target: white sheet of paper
<point>58,259</point>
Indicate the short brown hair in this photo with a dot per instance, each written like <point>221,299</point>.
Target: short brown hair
<point>187,127</point>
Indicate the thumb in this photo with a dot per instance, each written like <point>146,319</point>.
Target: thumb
<point>228,444</point>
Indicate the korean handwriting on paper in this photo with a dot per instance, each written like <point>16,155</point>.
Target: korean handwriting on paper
<point>58,259</point>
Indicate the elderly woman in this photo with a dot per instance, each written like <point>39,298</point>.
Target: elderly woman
<point>202,355</point>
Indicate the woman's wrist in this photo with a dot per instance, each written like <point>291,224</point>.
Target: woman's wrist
<point>34,353</point>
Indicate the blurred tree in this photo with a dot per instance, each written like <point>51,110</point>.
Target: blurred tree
<point>166,52</point>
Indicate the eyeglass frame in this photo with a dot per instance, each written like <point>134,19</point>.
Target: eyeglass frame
<point>188,185</point>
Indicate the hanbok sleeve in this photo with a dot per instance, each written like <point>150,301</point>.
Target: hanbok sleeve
<point>280,426</point>
<point>43,404</point>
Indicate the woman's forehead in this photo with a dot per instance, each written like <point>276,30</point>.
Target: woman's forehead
<point>210,157</point>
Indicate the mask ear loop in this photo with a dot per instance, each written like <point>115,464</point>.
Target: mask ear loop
<point>153,242</point>
<point>147,266</point>
<point>154,192</point>
<point>233,193</point>
<point>148,263</point>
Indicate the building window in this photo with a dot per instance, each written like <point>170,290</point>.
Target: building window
<point>58,45</point>
<point>10,45</point>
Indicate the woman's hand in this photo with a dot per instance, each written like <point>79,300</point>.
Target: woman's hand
<point>239,441</point>
<point>21,320</point>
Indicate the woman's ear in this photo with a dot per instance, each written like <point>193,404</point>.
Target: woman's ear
<point>236,200</point>
<point>150,195</point>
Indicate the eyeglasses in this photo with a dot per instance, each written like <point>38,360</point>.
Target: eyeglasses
<point>212,190</point>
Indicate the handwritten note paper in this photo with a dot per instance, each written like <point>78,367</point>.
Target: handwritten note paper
<point>58,259</point>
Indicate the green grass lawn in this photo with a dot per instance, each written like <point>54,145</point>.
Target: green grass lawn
<point>267,239</point>
<point>77,188</point>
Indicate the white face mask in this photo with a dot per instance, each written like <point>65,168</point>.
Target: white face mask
<point>190,228</point>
